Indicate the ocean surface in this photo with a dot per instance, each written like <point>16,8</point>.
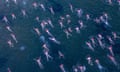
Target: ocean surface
<point>20,57</point>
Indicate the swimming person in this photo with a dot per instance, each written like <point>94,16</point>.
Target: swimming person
<point>54,40</point>
<point>5,19</point>
<point>14,37</point>
<point>88,17</point>
<point>79,12</point>
<point>81,24</point>
<point>15,1</point>
<point>92,39</point>
<point>37,31</point>
<point>89,60</point>
<point>9,70</point>
<point>100,67</point>
<point>62,67</point>
<point>77,30</point>
<point>50,23</point>
<point>100,43</point>
<point>42,6</point>
<point>89,46</point>
<point>37,19</point>
<point>10,43</point>
<point>9,29</point>
<point>82,68</point>
<point>48,32</point>
<point>113,60</point>
<point>48,56</point>
<point>13,16</point>
<point>38,60</point>
<point>23,12</point>
<point>67,33</point>
<point>71,7</point>
<point>52,11</point>
<point>35,5</point>
<point>61,55</point>
<point>61,24</point>
<point>110,48</point>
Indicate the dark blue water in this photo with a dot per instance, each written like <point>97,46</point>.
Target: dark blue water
<point>20,58</point>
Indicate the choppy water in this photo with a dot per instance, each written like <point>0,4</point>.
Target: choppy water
<point>20,58</point>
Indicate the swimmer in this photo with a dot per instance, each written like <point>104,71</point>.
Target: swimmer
<point>39,63</point>
<point>75,69</point>
<point>93,41</point>
<point>14,37</point>
<point>102,18</point>
<point>62,18</point>
<point>68,16</point>
<point>37,19</point>
<point>52,11</point>
<point>118,2</point>
<point>61,24</point>
<point>13,16</point>
<point>82,68</point>
<point>54,40</point>
<point>100,67</point>
<point>110,2</point>
<point>42,25</point>
<point>111,51</point>
<point>81,24</point>
<point>23,12</point>
<point>15,1</point>
<point>61,55</point>
<point>50,23</point>
<point>45,22</point>
<point>67,33</point>
<point>97,20</point>
<point>9,70</point>
<point>89,60</point>
<point>10,43</point>
<point>112,59</point>
<point>100,43</point>
<point>48,32</point>
<point>115,36</point>
<point>89,46</point>
<point>46,52</point>
<point>35,5</point>
<point>88,17</point>
<point>45,46</point>
<point>106,16</point>
<point>110,40</point>
<point>79,12</point>
<point>42,6</point>
<point>69,29</point>
<point>77,30</point>
<point>7,1</point>
<point>71,7</point>
<point>68,21</point>
<point>37,31</point>
<point>5,20</point>
<point>9,29</point>
<point>100,36</point>
<point>104,21</point>
<point>62,68</point>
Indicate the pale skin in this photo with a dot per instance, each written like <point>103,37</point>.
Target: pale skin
<point>9,70</point>
<point>10,43</point>
<point>62,68</point>
<point>14,37</point>
<point>39,62</point>
<point>37,31</point>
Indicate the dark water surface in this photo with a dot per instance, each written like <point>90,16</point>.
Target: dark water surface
<point>20,58</point>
